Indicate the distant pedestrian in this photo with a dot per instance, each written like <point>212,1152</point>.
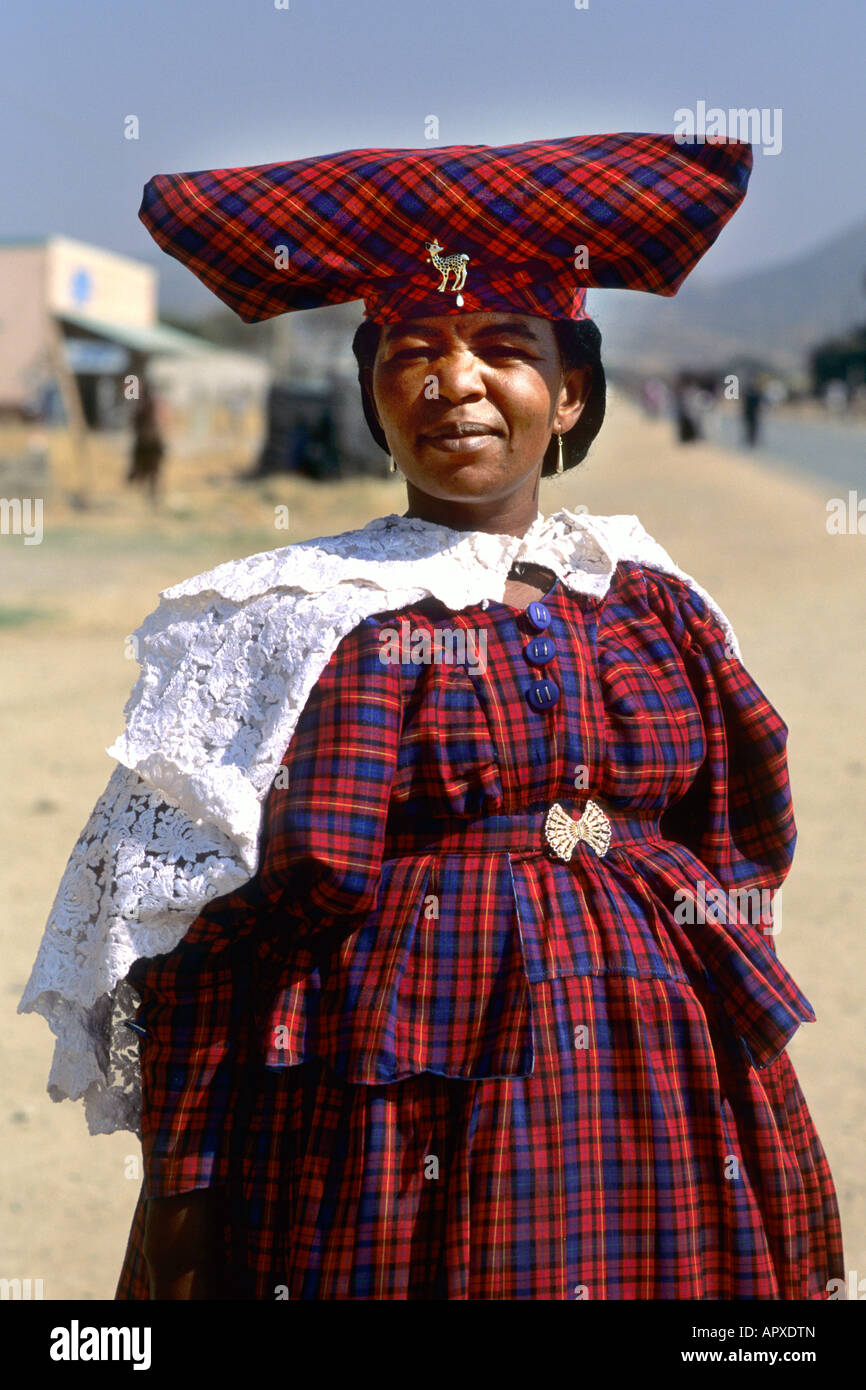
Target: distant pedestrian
<point>686,411</point>
<point>148,446</point>
<point>653,397</point>
<point>752,404</point>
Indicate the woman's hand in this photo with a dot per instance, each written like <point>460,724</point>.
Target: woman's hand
<point>181,1246</point>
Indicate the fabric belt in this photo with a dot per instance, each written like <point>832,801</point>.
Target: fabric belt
<point>524,831</point>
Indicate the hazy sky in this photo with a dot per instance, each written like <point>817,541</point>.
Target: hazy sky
<point>223,82</point>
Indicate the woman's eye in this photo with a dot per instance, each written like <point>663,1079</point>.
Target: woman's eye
<point>491,350</point>
<point>506,350</point>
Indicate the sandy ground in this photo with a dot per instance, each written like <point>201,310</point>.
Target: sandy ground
<point>757,540</point>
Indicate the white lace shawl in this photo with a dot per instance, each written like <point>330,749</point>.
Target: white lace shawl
<point>228,660</point>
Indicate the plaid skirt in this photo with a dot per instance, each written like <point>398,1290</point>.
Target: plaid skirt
<point>652,1165</point>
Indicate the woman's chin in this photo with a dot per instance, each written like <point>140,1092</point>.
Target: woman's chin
<point>467,471</point>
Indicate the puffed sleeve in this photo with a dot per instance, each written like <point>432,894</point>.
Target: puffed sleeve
<point>737,819</point>
<point>738,815</point>
<point>324,821</point>
<point>320,855</point>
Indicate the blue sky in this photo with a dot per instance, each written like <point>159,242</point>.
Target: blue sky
<point>224,82</point>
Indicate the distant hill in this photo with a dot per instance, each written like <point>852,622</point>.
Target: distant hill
<point>776,314</point>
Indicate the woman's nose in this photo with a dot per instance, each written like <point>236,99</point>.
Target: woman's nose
<point>459,375</point>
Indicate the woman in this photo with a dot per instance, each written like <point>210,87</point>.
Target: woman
<point>496,1013</point>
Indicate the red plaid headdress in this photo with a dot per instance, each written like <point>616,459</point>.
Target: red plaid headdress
<point>524,227</point>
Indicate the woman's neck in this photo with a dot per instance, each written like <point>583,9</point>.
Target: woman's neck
<point>510,516</point>
<point>527,581</point>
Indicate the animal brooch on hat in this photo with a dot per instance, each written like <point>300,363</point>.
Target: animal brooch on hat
<point>448,265</point>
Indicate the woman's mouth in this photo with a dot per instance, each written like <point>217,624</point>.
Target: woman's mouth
<point>460,436</point>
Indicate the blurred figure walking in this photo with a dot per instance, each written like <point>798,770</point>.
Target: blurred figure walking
<point>654,395</point>
<point>148,446</point>
<point>752,404</point>
<point>686,410</point>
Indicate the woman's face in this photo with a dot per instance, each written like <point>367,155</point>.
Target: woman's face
<point>468,402</point>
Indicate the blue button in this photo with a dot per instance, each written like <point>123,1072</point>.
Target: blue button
<point>538,615</point>
<point>539,651</point>
<point>543,695</point>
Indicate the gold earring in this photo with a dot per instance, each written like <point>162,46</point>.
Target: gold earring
<point>559,464</point>
<point>393,464</point>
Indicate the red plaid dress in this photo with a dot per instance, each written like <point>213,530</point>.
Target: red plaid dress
<point>422,1058</point>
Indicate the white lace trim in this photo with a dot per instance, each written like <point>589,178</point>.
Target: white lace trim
<point>228,660</point>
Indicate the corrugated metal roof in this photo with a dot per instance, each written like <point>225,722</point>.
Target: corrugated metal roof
<point>157,338</point>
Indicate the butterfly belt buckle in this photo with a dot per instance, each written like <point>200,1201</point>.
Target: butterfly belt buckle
<point>563,832</point>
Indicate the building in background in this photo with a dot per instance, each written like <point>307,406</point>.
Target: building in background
<point>77,321</point>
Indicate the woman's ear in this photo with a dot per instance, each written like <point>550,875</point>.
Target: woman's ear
<point>370,413</point>
<point>372,398</point>
<point>573,395</point>
<point>367,380</point>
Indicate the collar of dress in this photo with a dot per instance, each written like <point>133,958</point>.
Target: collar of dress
<point>401,555</point>
<point>228,660</point>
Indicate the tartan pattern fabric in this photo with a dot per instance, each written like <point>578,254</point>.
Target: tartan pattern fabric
<point>555,1088</point>
<point>273,238</point>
